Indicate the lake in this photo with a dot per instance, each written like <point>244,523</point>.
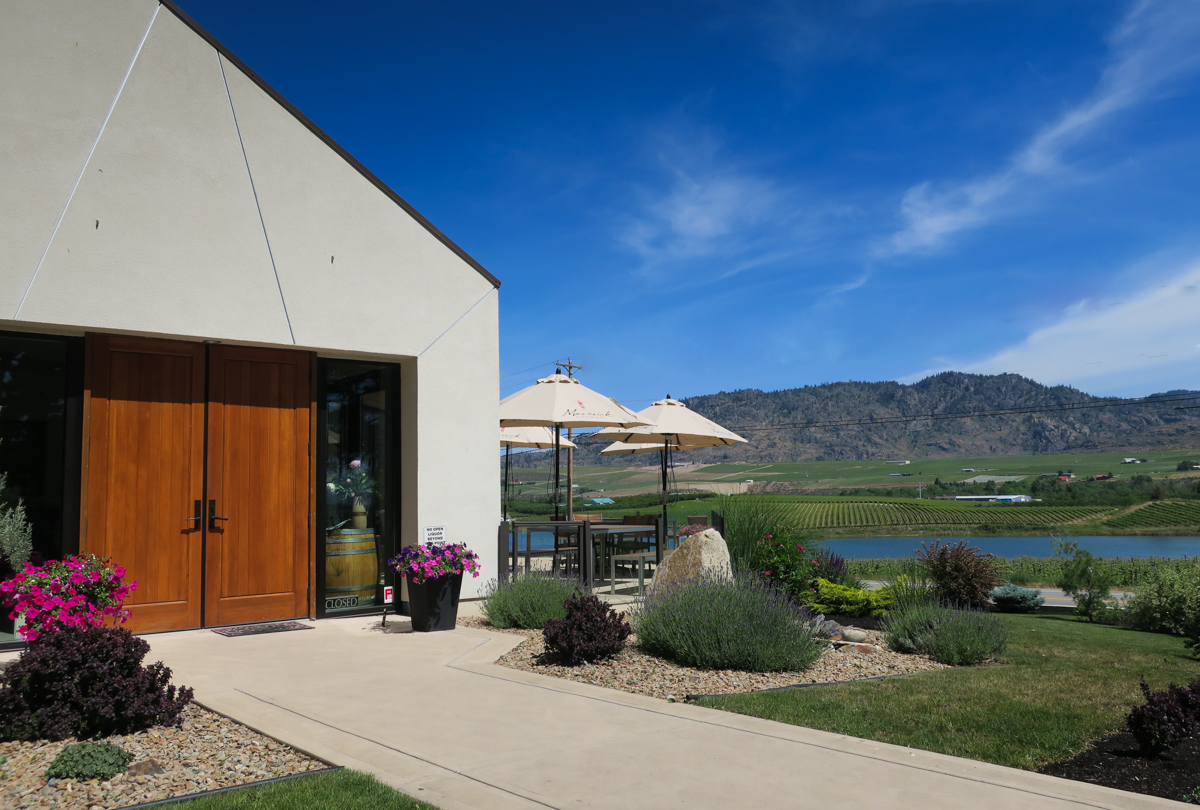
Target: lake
<point>868,547</point>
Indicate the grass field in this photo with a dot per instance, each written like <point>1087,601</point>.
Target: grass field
<point>1061,684</point>
<point>644,475</point>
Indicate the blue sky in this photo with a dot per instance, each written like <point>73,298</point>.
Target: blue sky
<point>689,197</point>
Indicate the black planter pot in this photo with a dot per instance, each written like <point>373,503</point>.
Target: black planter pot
<point>433,604</point>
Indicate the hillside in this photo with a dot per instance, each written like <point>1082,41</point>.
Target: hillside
<point>1127,428</point>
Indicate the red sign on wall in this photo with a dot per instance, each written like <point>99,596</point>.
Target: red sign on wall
<point>387,594</point>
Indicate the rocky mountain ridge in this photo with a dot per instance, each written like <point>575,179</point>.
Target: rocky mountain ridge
<point>1129,428</point>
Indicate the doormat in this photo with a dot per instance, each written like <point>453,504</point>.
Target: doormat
<point>259,629</point>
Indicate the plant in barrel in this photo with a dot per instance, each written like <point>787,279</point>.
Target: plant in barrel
<point>357,487</point>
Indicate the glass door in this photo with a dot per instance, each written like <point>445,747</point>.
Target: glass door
<point>357,433</point>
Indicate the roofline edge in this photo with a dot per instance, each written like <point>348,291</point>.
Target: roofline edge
<point>171,6</point>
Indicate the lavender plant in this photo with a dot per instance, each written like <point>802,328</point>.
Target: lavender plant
<point>527,600</point>
<point>732,621</point>
<point>948,635</point>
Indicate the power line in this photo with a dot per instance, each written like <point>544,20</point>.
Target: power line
<point>1066,406</point>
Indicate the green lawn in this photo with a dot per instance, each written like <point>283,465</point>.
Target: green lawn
<point>341,790</point>
<point>1061,683</point>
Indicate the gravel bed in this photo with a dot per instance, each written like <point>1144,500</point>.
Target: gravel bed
<point>207,751</point>
<point>633,670</point>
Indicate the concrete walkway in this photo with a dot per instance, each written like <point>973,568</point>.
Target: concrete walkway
<point>433,716</point>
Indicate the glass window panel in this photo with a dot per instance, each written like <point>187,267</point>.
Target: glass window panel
<point>357,482</point>
<point>33,443</point>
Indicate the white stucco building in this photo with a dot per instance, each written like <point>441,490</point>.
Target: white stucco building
<point>233,359</point>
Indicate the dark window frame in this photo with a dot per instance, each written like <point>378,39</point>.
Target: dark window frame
<point>391,497</point>
<point>72,455</point>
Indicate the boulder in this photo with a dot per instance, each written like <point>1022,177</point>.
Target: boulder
<point>853,634</point>
<point>700,554</point>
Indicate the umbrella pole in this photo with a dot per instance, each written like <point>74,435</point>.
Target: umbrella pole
<point>556,470</point>
<point>507,452</point>
<point>665,453</point>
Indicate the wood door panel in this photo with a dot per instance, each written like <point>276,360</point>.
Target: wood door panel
<point>258,471</point>
<point>145,460</point>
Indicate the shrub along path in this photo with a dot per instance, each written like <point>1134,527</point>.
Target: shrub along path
<point>1061,684</point>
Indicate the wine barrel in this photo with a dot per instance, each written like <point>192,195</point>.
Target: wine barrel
<point>351,569</point>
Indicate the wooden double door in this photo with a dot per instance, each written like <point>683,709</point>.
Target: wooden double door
<point>198,478</point>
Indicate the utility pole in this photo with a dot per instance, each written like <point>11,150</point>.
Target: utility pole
<point>570,367</point>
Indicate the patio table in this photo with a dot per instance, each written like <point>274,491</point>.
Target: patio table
<point>588,531</point>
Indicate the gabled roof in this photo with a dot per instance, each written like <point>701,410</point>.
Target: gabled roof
<point>329,141</point>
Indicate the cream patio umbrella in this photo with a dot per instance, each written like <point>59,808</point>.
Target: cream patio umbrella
<point>672,425</point>
<point>559,401</point>
<point>538,437</point>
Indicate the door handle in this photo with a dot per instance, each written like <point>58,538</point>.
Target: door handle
<point>198,507</point>
<point>212,515</point>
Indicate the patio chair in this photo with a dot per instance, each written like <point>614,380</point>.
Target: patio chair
<point>568,550</point>
<point>697,520</point>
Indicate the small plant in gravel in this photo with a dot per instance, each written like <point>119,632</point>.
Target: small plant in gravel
<point>1166,718</point>
<point>1191,797</point>
<point>527,600</point>
<point>962,574</point>
<point>843,600</point>
<point>949,635</point>
<point>89,760</point>
<point>86,683</point>
<point>591,631</point>
<point>1012,598</point>
<point>735,621</point>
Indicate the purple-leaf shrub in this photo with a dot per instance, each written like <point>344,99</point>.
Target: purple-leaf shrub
<point>1166,718</point>
<point>86,682</point>
<point>962,574</point>
<point>591,631</point>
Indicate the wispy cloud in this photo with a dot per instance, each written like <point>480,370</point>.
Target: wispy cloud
<point>714,214</point>
<point>1151,339</point>
<point>1156,42</point>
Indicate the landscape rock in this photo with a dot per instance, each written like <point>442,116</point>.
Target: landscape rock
<point>700,554</point>
<point>853,634</point>
<point>147,767</point>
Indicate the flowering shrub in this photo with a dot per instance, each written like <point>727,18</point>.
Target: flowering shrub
<point>425,562</point>
<point>75,592</point>
<point>690,529</point>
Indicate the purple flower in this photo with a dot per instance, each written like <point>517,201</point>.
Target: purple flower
<point>354,465</point>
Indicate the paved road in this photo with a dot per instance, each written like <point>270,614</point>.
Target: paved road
<point>1053,596</point>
